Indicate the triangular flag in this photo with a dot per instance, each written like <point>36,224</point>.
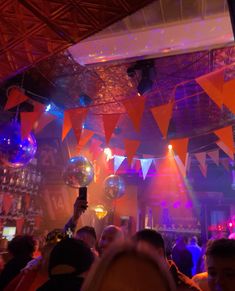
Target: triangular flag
<point>225,149</point>
<point>27,121</point>
<point>131,147</point>
<point>43,121</point>
<point>77,117</point>
<point>201,157</point>
<point>181,166</point>
<point>180,146</point>
<point>110,121</point>
<point>67,125</point>
<point>85,137</point>
<point>7,202</point>
<point>162,115</point>
<point>229,95</point>
<point>226,136</point>
<point>38,107</point>
<point>14,98</point>
<point>145,165</point>
<point>203,170</point>
<point>19,225</point>
<point>137,165</point>
<point>214,155</point>
<point>135,109</point>
<point>225,163</point>
<point>117,162</point>
<point>212,84</point>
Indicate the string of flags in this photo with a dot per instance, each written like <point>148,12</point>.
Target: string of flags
<point>214,84</point>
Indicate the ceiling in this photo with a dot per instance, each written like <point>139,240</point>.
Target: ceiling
<point>33,30</point>
<point>60,80</point>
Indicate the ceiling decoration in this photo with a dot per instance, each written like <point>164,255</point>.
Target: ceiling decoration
<point>33,30</point>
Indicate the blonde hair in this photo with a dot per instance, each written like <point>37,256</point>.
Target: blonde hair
<point>99,270</point>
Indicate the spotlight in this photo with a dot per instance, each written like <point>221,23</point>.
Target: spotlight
<point>48,108</point>
<point>108,153</point>
<point>170,147</point>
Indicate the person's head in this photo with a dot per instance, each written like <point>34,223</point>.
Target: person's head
<point>193,240</point>
<point>146,237</point>
<point>22,245</point>
<point>70,256</point>
<point>111,234</point>
<point>128,269</point>
<point>220,260</point>
<point>88,235</point>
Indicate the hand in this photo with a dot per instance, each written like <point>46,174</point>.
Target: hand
<point>79,207</point>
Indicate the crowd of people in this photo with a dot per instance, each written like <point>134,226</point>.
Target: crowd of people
<point>115,262</point>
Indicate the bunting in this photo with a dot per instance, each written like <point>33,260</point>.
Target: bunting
<point>145,165</point>
<point>67,125</point>
<point>203,170</point>
<point>225,163</point>
<point>43,121</point>
<point>27,121</point>
<point>201,157</point>
<point>162,115</point>
<point>110,122</point>
<point>131,147</point>
<point>212,84</point>
<point>225,149</point>
<point>117,162</point>
<point>214,155</point>
<point>135,110</point>
<point>180,146</point>
<point>15,97</point>
<point>226,136</point>
<point>77,118</point>
<point>229,96</point>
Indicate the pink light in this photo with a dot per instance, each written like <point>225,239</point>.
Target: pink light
<point>230,224</point>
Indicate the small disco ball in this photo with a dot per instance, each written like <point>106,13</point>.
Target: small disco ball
<point>15,152</point>
<point>79,172</point>
<point>114,187</point>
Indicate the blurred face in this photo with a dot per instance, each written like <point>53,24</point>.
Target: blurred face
<point>221,273</point>
<point>130,273</point>
<point>109,236</point>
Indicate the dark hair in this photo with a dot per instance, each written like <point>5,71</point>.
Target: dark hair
<point>22,245</point>
<point>221,248</point>
<point>87,229</point>
<point>71,252</point>
<point>151,236</point>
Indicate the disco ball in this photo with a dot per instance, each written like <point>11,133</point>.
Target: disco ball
<point>15,152</point>
<point>114,187</point>
<point>79,172</point>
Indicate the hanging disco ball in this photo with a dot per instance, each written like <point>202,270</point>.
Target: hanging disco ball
<point>15,152</point>
<point>79,172</point>
<point>114,187</point>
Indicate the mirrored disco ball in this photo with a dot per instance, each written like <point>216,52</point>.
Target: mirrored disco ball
<point>15,152</point>
<point>114,187</point>
<point>79,172</point>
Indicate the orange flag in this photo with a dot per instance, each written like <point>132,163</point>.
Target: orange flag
<point>77,117</point>
<point>110,121</point>
<point>226,149</point>
<point>15,97</point>
<point>27,120</point>
<point>226,136</point>
<point>135,109</point>
<point>43,121</point>
<point>162,115</point>
<point>131,147</point>
<point>212,84</point>
<point>180,146</point>
<point>225,163</point>
<point>214,155</point>
<point>201,157</point>
<point>229,95</point>
<point>85,137</point>
<point>203,170</point>
<point>67,125</point>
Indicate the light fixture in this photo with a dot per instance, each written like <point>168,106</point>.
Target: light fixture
<point>108,153</point>
<point>170,147</point>
<point>100,211</point>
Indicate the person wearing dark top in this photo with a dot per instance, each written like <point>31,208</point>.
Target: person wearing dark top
<point>182,257</point>
<point>150,238</point>
<point>69,261</point>
<point>21,249</point>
